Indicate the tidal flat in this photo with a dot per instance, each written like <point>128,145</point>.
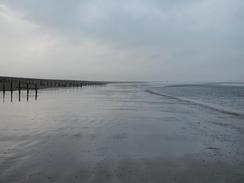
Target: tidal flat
<point>117,133</point>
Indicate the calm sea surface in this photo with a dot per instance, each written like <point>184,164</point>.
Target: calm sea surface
<point>138,132</point>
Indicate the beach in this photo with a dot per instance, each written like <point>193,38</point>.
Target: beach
<point>123,133</point>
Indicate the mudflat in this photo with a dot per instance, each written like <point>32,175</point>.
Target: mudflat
<point>117,133</point>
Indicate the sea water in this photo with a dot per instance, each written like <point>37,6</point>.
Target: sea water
<point>124,132</point>
<point>223,97</point>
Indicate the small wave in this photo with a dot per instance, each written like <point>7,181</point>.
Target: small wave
<point>195,102</point>
<point>207,84</point>
<point>232,84</point>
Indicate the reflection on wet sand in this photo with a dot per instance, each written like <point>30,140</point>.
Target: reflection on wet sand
<point>20,95</point>
<point>117,133</point>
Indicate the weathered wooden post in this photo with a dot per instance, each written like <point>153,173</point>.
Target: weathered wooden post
<point>11,90</point>
<point>27,88</point>
<point>19,88</point>
<point>36,91</point>
<point>3,90</point>
<point>11,86</point>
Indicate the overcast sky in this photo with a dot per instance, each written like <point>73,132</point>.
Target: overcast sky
<point>174,40</point>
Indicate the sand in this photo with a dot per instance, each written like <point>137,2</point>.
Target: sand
<point>117,133</point>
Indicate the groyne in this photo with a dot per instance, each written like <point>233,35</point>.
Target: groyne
<point>14,83</point>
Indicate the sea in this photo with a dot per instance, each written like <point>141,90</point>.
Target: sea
<point>222,97</point>
<point>124,132</point>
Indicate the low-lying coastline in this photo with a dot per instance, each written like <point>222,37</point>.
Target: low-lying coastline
<point>16,83</point>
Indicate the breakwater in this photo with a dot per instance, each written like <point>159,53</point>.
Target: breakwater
<point>14,83</point>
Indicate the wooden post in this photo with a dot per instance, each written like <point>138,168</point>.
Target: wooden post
<point>11,90</point>
<point>3,91</point>
<point>11,86</point>
<point>3,87</point>
<point>19,88</point>
<point>27,88</point>
<point>36,91</point>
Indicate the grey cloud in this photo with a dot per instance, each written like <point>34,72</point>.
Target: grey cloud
<point>188,37</point>
<point>138,22</point>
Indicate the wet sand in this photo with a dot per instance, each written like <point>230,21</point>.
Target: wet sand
<point>117,133</point>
